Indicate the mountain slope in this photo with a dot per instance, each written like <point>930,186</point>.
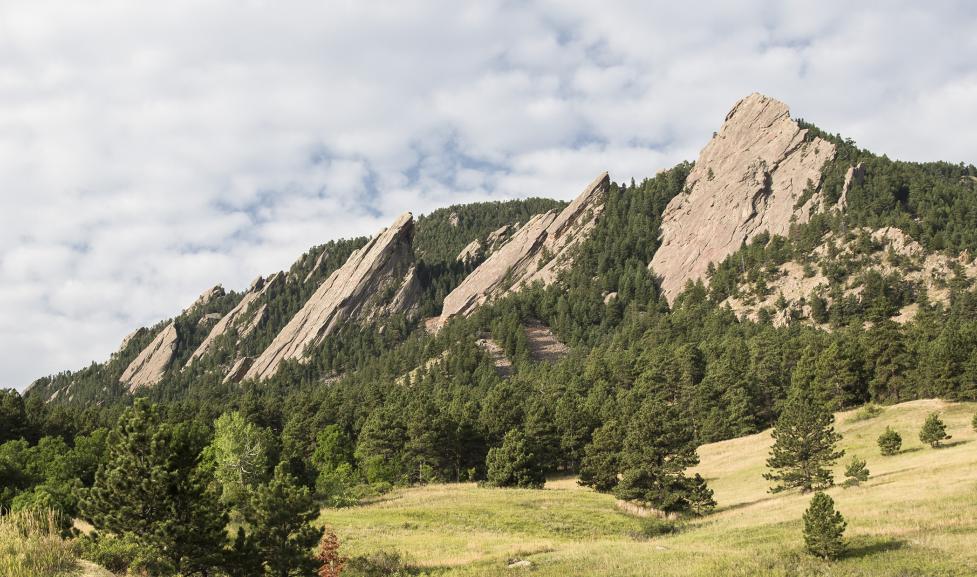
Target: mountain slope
<point>912,517</point>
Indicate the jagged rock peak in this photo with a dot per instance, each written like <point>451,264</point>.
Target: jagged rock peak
<point>148,368</point>
<point>760,172</point>
<point>239,317</point>
<point>534,253</point>
<point>358,290</point>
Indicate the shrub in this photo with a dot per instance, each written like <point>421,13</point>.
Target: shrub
<point>868,412</point>
<point>933,431</point>
<point>823,528</point>
<point>121,554</point>
<point>31,544</point>
<point>890,442</point>
<point>331,561</point>
<point>376,564</point>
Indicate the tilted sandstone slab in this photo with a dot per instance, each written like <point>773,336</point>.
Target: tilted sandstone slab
<point>241,317</point>
<point>376,280</point>
<point>760,172</point>
<point>536,252</point>
<point>477,249</point>
<point>205,298</point>
<point>148,368</point>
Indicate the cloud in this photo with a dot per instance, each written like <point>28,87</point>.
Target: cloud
<point>150,150</point>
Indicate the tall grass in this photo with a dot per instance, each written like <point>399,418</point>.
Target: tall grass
<point>31,545</point>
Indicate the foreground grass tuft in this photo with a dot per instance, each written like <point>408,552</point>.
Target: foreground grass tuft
<point>31,545</point>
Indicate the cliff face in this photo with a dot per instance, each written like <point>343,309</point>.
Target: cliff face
<point>149,367</point>
<point>759,173</point>
<point>376,280</point>
<point>244,317</point>
<point>536,252</point>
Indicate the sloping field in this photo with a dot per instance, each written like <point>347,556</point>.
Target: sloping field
<point>917,515</point>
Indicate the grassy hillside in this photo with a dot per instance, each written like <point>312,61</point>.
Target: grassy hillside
<point>917,515</point>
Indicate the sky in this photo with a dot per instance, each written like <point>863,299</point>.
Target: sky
<point>150,150</point>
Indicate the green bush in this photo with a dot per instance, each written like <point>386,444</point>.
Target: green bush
<point>890,442</point>
<point>868,412</point>
<point>823,528</point>
<point>121,555</point>
<point>933,431</point>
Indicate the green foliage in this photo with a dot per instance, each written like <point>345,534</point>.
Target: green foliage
<point>281,518</point>
<point>13,416</point>
<point>933,431</point>
<point>890,442</point>
<point>513,464</point>
<point>658,447</point>
<point>856,472</point>
<point>601,462</point>
<point>151,488</point>
<point>239,456</point>
<point>804,445</point>
<point>824,528</point>
<point>333,460</point>
<point>651,527</point>
<point>126,554</point>
<point>867,413</point>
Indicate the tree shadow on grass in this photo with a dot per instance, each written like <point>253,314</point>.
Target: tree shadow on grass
<point>865,546</point>
<point>953,443</point>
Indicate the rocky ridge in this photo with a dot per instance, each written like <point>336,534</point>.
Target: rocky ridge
<point>150,365</point>
<point>243,317</point>
<point>760,172</point>
<point>535,253</point>
<point>375,281</point>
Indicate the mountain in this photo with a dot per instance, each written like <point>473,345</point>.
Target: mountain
<point>775,222</point>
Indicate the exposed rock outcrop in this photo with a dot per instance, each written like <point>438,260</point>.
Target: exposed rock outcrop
<point>535,253</point>
<point>243,317</point>
<point>854,176</point>
<point>892,252</point>
<point>376,280</point>
<point>472,252</point>
<point>205,298</point>
<point>317,266</point>
<point>148,368</point>
<point>238,370</point>
<point>760,172</point>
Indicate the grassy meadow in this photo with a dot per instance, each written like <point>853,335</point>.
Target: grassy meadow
<point>916,516</point>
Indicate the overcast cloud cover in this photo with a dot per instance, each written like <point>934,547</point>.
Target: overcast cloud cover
<point>149,150</point>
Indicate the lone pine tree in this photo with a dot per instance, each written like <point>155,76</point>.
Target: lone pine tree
<point>890,442</point>
<point>856,473</point>
<point>933,431</point>
<point>514,464</point>
<point>804,444</point>
<point>823,528</point>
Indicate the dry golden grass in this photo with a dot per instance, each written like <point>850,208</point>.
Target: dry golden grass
<point>916,516</point>
<point>30,546</point>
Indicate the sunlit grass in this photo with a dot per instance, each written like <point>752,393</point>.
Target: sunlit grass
<point>31,546</point>
<point>917,515</point>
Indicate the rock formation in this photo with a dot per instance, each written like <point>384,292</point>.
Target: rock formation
<point>148,368</point>
<point>242,317</point>
<point>477,249</point>
<point>536,252</point>
<point>318,264</point>
<point>471,252</point>
<point>760,172</point>
<point>376,280</point>
<point>854,176</point>
<point>205,297</point>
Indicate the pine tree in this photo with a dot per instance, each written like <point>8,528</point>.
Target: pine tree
<point>151,488</point>
<point>601,463</point>
<point>933,431</point>
<point>281,517</point>
<point>513,464</point>
<point>890,442</point>
<point>823,528</point>
<point>658,448</point>
<point>804,444</point>
<point>239,456</point>
<point>543,435</point>
<point>856,472</point>
<point>333,458</point>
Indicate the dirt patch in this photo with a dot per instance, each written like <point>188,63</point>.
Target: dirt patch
<point>543,344</point>
<point>503,366</point>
